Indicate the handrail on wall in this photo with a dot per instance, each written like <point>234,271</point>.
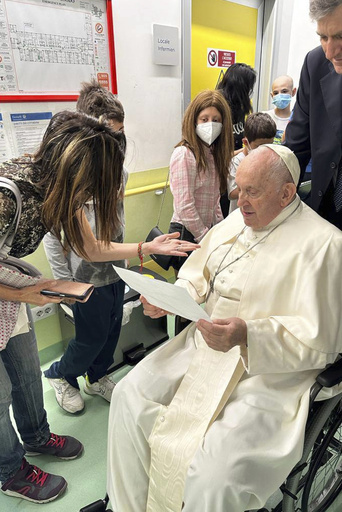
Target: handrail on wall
<point>147,188</point>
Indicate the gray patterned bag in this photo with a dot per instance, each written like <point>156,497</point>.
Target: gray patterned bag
<point>14,272</point>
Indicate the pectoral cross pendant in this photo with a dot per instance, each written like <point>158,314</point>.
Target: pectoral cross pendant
<point>211,284</point>
<point>211,288</point>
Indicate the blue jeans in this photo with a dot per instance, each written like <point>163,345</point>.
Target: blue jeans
<point>98,326</point>
<point>21,385</point>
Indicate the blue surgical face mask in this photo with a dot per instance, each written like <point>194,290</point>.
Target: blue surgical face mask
<point>282,100</point>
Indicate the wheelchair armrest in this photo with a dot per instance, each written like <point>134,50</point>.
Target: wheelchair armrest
<point>331,375</point>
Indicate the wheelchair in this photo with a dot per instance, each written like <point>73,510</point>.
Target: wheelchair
<point>316,480</point>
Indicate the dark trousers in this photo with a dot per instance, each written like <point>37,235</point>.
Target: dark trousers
<point>98,326</point>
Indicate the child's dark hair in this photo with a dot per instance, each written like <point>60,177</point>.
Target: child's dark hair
<point>259,126</point>
<point>96,101</point>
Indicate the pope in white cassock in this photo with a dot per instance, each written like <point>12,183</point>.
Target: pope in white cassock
<point>213,421</point>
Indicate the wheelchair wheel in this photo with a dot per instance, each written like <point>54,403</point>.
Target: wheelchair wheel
<point>317,479</point>
<point>324,481</point>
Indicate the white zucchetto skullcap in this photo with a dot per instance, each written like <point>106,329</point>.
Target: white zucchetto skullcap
<point>289,159</point>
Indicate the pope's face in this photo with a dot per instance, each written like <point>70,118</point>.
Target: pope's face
<point>329,29</point>
<point>260,200</point>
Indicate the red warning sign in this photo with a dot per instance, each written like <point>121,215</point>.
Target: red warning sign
<point>99,28</point>
<point>225,59</point>
<point>220,58</point>
<point>103,79</point>
<point>212,58</point>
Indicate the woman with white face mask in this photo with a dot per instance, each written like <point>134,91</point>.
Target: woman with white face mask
<point>199,168</point>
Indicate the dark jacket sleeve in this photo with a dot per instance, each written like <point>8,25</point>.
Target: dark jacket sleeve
<point>297,133</point>
<point>316,127</point>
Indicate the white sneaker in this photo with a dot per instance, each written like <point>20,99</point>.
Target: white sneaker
<point>103,387</point>
<point>68,397</point>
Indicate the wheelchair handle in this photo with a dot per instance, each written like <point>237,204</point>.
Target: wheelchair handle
<point>97,506</point>
<point>331,376</point>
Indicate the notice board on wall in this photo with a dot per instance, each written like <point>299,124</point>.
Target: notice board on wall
<point>48,47</point>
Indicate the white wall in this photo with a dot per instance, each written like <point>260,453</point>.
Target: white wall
<point>151,94</point>
<point>303,38</point>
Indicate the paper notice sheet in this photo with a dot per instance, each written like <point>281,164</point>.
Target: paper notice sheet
<point>173,299</point>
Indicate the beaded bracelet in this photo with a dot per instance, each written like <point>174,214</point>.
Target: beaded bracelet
<point>141,255</point>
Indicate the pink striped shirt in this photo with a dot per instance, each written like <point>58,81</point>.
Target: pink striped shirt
<point>196,196</point>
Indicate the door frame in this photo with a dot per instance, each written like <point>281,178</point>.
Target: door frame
<point>266,23</point>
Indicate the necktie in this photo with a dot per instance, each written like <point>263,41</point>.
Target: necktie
<point>338,190</point>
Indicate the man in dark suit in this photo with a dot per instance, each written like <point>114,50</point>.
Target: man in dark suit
<point>315,130</point>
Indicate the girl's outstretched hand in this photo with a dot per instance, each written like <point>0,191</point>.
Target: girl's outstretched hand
<point>168,244</point>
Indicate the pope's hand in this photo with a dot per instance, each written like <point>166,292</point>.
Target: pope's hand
<point>222,335</point>
<point>150,310</point>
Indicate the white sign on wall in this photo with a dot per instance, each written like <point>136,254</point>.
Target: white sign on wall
<point>27,130</point>
<point>21,132</point>
<point>165,45</point>
<point>5,152</point>
<point>50,46</point>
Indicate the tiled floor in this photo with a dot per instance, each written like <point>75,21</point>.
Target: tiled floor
<point>86,476</point>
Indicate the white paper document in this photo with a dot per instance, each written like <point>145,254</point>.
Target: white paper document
<point>173,299</point>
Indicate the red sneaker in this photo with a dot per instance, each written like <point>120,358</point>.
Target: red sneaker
<point>32,484</point>
<point>64,447</point>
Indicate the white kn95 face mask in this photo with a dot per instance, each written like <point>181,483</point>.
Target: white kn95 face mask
<point>208,132</point>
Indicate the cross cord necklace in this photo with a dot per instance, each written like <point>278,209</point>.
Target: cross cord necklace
<point>219,269</point>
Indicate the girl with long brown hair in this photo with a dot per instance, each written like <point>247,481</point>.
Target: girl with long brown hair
<point>199,167</point>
